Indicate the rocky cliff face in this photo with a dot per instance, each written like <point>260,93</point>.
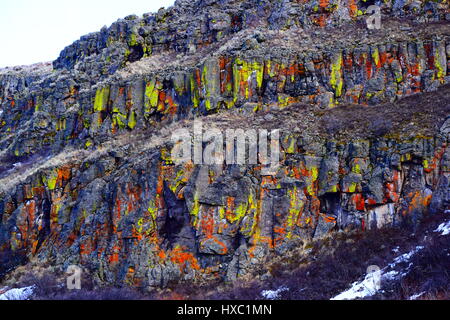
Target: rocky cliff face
<point>86,176</point>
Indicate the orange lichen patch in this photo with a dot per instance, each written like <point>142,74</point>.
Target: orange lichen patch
<point>162,254</point>
<point>30,207</point>
<point>358,200</point>
<point>71,238</point>
<point>160,185</point>
<point>426,200</point>
<point>353,8</point>
<point>133,193</point>
<point>86,247</point>
<point>391,193</point>
<point>226,74</point>
<point>34,247</point>
<point>173,107</point>
<point>268,181</point>
<point>230,207</point>
<point>371,202</point>
<point>430,166</point>
<point>128,201</point>
<point>321,20</point>
<point>297,173</point>
<point>116,217</point>
<point>161,101</point>
<point>207,222</point>
<point>56,206</point>
<point>64,173</point>
<point>38,191</point>
<point>183,259</point>
<point>324,3</point>
<point>315,206</point>
<point>114,256</point>
<point>348,61</point>
<point>129,100</point>
<point>136,234</point>
<point>198,78</point>
<point>220,243</point>
<point>328,219</point>
<point>280,233</point>
<point>383,58</point>
<point>311,176</point>
<point>417,200</point>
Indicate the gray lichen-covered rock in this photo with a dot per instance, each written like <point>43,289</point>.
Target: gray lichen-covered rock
<point>86,173</point>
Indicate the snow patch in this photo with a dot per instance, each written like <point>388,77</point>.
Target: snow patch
<point>366,288</point>
<point>18,294</point>
<point>416,296</point>
<point>405,257</point>
<point>273,294</point>
<point>371,283</point>
<point>444,228</point>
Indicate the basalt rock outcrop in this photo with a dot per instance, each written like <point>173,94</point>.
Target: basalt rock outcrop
<point>86,175</point>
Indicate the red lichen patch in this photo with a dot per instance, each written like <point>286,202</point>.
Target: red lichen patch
<point>114,256</point>
<point>38,191</point>
<point>226,74</point>
<point>391,193</point>
<point>358,201</point>
<point>86,248</point>
<point>430,56</point>
<point>198,78</point>
<point>368,65</point>
<point>207,222</point>
<point>230,207</point>
<point>348,61</point>
<point>371,201</point>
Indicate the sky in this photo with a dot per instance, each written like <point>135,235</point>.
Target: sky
<point>34,31</point>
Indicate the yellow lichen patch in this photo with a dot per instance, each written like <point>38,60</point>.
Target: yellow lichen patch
<point>180,179</point>
<point>166,157</point>
<point>356,168</point>
<point>101,99</point>
<point>376,58</point>
<point>119,120</point>
<point>250,228</point>
<point>132,120</point>
<point>194,93</point>
<point>440,68</point>
<point>296,205</point>
<point>241,72</point>
<point>51,180</point>
<point>336,80</point>
<point>311,176</point>
<point>195,209</point>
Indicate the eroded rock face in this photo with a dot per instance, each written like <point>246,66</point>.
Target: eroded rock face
<point>86,175</point>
